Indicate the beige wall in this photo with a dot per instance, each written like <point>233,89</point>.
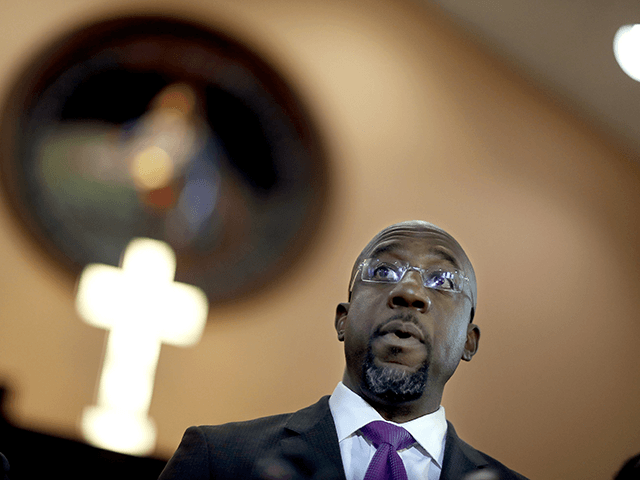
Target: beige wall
<point>548,212</point>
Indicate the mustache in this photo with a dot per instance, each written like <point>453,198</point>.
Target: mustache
<point>407,317</point>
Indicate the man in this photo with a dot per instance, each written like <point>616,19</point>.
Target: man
<point>407,325</point>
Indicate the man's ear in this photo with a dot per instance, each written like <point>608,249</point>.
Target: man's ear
<point>471,345</point>
<point>341,319</point>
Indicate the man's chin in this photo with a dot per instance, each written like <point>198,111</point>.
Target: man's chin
<point>394,383</point>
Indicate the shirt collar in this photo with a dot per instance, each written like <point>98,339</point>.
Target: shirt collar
<point>351,412</point>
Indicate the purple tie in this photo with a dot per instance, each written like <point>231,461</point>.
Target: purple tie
<point>386,464</point>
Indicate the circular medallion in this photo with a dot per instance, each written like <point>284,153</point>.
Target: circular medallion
<point>149,126</point>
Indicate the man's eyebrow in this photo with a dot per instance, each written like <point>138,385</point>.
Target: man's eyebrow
<point>439,251</point>
<point>445,255</point>
<point>383,248</point>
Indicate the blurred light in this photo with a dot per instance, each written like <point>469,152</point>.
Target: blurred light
<point>119,431</point>
<point>179,97</point>
<point>152,168</point>
<point>162,198</point>
<point>142,307</point>
<point>197,202</point>
<point>626,48</point>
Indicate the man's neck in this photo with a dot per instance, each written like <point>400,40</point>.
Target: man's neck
<point>399,412</point>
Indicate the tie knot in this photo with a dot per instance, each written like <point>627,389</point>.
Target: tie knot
<point>380,432</point>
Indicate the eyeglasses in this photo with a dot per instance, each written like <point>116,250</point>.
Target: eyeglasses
<point>377,271</point>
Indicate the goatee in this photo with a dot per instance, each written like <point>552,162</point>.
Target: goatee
<point>394,385</point>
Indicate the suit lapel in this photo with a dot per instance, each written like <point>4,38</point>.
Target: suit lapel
<point>311,447</point>
<point>459,458</point>
<point>312,444</point>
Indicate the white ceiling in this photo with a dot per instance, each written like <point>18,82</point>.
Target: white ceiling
<point>566,47</point>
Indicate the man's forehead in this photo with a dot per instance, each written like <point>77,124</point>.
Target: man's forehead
<point>421,233</point>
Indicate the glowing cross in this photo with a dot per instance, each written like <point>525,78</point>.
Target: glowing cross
<point>143,307</point>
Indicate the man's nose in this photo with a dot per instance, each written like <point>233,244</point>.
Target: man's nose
<point>410,292</point>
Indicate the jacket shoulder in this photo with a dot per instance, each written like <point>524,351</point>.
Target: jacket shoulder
<point>460,459</point>
<point>231,450</point>
<point>268,429</point>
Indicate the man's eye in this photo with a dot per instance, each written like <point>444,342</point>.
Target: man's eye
<point>442,280</point>
<point>385,273</point>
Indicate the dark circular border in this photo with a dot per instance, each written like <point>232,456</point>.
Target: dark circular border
<point>59,56</point>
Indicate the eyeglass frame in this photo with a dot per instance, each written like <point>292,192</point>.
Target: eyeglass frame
<point>405,267</point>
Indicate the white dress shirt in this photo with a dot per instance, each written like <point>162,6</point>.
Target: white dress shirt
<point>422,460</point>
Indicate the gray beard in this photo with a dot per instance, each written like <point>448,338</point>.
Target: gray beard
<point>394,385</point>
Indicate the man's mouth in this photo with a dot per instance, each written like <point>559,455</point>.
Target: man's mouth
<point>401,329</point>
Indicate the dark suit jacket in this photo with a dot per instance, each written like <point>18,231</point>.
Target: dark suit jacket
<point>301,446</point>
<point>5,467</point>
